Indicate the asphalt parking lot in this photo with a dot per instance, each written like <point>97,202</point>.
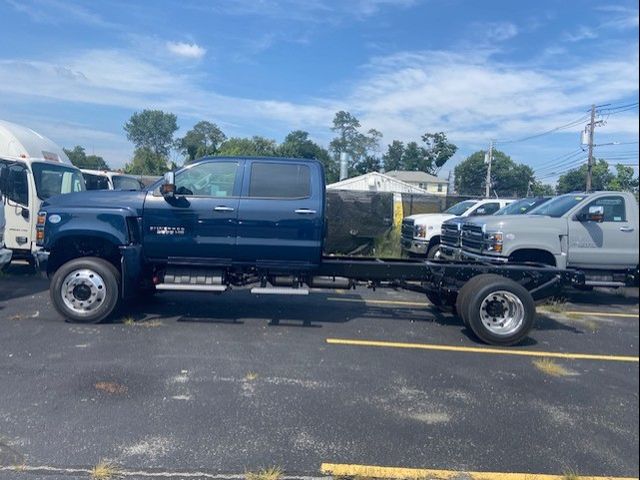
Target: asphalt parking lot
<point>194,386</point>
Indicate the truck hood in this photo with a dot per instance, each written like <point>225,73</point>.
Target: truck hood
<point>521,224</point>
<point>430,218</point>
<point>131,200</point>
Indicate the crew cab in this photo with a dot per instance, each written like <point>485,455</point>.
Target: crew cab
<point>421,232</point>
<point>107,180</point>
<point>451,234</point>
<point>222,222</point>
<point>596,233</point>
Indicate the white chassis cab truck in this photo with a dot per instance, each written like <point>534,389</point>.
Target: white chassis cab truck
<point>35,169</point>
<point>5,253</point>
<point>421,233</point>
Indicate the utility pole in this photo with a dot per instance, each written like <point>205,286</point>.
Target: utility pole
<point>488,159</point>
<point>592,126</point>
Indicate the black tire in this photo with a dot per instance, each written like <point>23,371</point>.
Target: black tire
<point>462,302</point>
<point>433,250</point>
<point>482,288</point>
<point>110,286</point>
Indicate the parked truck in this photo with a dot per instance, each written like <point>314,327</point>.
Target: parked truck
<point>421,232</point>
<point>221,223</point>
<point>596,233</point>
<point>5,253</point>
<point>451,233</point>
<point>35,169</point>
<point>107,180</point>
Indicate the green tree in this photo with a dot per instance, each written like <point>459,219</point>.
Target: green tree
<point>152,130</point>
<point>539,189</point>
<point>437,151</point>
<point>353,142</point>
<point>80,159</point>
<point>392,159</point>
<point>575,180</point>
<point>147,162</point>
<point>624,180</point>
<point>508,178</point>
<point>368,164</point>
<point>202,140</point>
<point>249,147</point>
<point>414,157</point>
<point>297,144</point>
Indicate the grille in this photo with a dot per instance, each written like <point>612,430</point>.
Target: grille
<point>407,228</point>
<point>472,237</point>
<point>450,234</point>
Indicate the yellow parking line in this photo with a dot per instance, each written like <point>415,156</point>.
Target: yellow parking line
<point>499,351</point>
<point>371,471</point>
<point>425,304</point>
<point>603,314</point>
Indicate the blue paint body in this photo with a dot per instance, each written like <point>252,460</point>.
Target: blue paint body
<point>234,230</point>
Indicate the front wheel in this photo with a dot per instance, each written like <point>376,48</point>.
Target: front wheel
<point>86,290</point>
<point>498,310</point>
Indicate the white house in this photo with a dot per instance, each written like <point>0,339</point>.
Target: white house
<point>376,182</point>
<point>422,180</point>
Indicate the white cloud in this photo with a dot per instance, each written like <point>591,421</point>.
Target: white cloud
<point>501,31</point>
<point>186,50</point>
<point>583,33</point>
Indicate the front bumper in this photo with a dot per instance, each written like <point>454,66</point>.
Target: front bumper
<point>450,253</point>
<point>413,245</point>
<point>5,255</point>
<point>464,255</point>
<point>42,259</point>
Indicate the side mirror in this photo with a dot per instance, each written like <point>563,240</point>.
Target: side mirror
<point>168,187</point>
<point>595,214</point>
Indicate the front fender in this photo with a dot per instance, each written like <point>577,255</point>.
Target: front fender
<point>109,224</point>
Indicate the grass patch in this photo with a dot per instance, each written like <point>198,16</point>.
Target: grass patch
<point>548,366</point>
<point>271,473</point>
<point>388,245</point>
<point>104,471</point>
<point>556,305</point>
<point>570,475</point>
<point>129,321</point>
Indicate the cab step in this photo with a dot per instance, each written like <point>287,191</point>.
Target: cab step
<point>279,291</point>
<point>191,288</point>
<point>193,280</point>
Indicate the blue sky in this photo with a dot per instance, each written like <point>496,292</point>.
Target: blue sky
<point>75,71</point>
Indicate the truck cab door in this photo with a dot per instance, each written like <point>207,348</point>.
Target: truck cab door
<point>16,207</point>
<point>198,224</point>
<point>281,213</point>
<point>601,235</point>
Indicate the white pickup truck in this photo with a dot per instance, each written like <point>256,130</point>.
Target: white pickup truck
<point>596,233</point>
<point>421,232</point>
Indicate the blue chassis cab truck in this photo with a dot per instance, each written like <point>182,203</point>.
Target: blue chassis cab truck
<point>220,222</point>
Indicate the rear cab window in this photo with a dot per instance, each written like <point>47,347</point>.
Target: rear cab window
<point>95,182</point>
<point>279,180</point>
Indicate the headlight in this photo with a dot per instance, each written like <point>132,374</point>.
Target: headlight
<point>420,231</point>
<point>493,242</point>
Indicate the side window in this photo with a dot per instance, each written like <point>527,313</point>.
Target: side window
<point>17,185</point>
<point>212,179</point>
<point>486,209</point>
<point>95,182</point>
<point>280,180</point>
<point>613,207</point>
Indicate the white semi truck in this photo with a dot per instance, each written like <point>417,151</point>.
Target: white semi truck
<point>35,168</point>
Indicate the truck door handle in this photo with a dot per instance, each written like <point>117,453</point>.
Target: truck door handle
<point>626,229</point>
<point>222,208</point>
<point>304,211</point>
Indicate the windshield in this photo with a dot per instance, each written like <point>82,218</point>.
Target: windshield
<point>121,182</point>
<point>558,206</point>
<point>522,206</point>
<point>54,179</point>
<point>460,208</point>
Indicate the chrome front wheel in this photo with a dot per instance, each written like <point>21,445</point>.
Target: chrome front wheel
<point>83,291</point>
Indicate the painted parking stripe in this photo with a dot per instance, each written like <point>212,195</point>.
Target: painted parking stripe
<point>424,304</point>
<point>371,471</point>
<point>487,350</point>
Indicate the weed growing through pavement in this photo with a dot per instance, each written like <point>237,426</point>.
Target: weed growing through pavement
<point>271,473</point>
<point>251,376</point>
<point>554,305</point>
<point>104,471</point>
<point>570,475</point>
<point>548,366</point>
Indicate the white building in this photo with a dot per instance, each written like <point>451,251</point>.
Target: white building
<point>422,180</point>
<point>376,182</point>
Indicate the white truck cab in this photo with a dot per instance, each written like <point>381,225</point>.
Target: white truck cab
<point>421,233</point>
<point>107,180</point>
<point>35,168</point>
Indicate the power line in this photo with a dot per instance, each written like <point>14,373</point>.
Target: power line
<point>554,162</point>
<point>547,132</point>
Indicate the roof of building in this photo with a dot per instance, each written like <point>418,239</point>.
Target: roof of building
<point>377,179</point>
<point>415,177</point>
